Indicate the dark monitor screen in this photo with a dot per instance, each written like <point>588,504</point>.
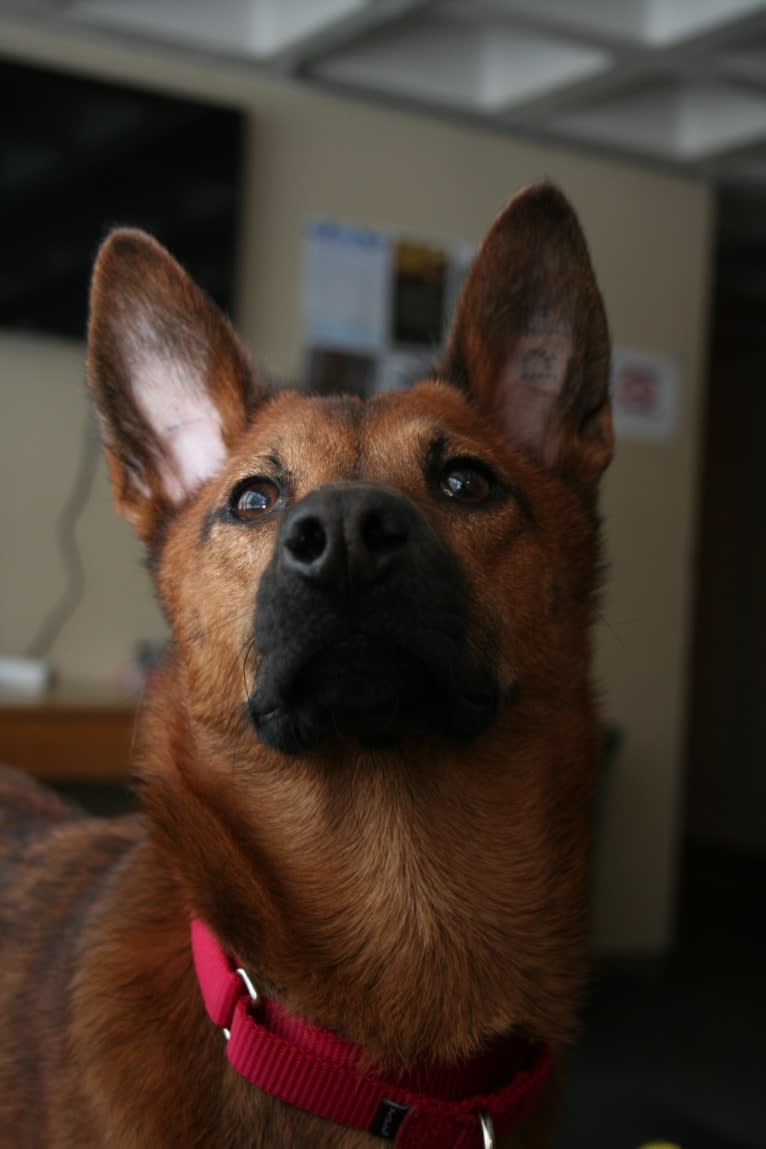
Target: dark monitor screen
<point>79,156</point>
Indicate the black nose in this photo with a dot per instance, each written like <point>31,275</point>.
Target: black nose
<point>346,534</point>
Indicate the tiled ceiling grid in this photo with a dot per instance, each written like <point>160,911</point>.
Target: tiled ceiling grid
<point>679,82</point>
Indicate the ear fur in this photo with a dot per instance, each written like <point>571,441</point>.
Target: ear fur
<point>172,384</point>
<point>530,338</point>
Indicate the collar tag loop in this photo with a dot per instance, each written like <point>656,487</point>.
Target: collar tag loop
<point>252,994</point>
<point>487,1127</point>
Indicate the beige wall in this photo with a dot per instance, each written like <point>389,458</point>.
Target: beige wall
<point>311,154</point>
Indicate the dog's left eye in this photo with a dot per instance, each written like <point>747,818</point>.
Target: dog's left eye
<point>466,481</point>
<point>254,497</point>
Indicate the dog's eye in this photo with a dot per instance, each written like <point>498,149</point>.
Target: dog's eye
<point>253,497</point>
<point>466,481</point>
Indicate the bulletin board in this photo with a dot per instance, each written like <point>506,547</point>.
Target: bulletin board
<point>376,306</point>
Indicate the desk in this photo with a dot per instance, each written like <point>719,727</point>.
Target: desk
<point>73,736</point>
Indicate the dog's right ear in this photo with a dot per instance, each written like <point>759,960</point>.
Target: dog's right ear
<point>172,384</point>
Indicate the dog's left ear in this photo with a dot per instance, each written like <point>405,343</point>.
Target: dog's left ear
<point>530,338</point>
<point>172,384</point>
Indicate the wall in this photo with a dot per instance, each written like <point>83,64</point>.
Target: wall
<point>312,154</point>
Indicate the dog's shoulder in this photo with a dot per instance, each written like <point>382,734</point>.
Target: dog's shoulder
<point>49,847</point>
<point>28,809</point>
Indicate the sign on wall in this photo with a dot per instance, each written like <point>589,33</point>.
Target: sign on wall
<point>645,394</point>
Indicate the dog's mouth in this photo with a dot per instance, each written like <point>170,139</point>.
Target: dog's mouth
<point>370,689</point>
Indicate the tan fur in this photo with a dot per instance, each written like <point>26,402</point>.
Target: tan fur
<point>418,899</point>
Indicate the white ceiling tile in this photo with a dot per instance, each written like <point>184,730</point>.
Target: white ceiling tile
<point>517,66</point>
<point>246,27</point>
<point>647,120</point>
<point>672,20</point>
<point>434,61</point>
<point>472,63</point>
<point>716,118</point>
<point>673,122</point>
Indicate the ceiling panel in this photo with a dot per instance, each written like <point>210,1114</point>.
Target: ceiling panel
<point>675,82</point>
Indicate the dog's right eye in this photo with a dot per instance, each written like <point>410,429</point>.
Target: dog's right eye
<point>253,497</point>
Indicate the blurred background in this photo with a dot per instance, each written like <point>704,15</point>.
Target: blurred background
<point>229,130</point>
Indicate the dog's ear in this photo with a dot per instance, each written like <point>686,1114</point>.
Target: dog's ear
<point>172,384</point>
<point>530,338</point>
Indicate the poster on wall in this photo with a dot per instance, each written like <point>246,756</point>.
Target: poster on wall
<point>347,287</point>
<point>645,394</point>
<point>376,306</point>
<point>419,294</point>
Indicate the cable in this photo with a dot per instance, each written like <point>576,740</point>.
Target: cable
<point>71,512</point>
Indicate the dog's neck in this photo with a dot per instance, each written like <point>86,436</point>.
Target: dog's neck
<point>417,910</point>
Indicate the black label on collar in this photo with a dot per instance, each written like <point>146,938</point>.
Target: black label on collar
<point>388,1117</point>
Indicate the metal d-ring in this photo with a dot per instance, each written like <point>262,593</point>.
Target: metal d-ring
<point>487,1127</point>
<point>252,994</point>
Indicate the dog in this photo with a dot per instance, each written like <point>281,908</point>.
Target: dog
<point>353,907</point>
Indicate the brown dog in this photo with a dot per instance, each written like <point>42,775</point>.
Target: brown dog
<point>366,768</point>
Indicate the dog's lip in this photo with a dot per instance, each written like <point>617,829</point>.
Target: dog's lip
<point>361,642</point>
<point>344,655</point>
<point>373,682</point>
<point>356,644</point>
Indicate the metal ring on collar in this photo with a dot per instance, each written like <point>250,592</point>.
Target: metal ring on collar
<point>252,993</point>
<point>487,1129</point>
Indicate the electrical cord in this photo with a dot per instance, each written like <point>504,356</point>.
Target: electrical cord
<point>54,622</point>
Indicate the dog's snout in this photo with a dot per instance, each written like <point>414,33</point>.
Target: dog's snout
<point>346,534</point>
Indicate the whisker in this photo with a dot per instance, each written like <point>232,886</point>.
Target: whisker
<point>248,651</point>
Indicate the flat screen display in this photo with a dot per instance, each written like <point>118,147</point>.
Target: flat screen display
<point>79,156</point>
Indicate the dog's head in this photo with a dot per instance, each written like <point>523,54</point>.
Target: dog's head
<point>416,565</point>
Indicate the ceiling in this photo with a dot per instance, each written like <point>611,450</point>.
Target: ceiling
<point>680,83</point>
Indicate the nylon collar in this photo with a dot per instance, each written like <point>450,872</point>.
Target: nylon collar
<point>429,1107</point>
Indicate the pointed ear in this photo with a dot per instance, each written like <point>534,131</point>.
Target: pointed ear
<point>172,384</point>
<point>530,338</point>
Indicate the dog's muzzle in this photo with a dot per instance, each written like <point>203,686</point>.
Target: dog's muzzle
<point>361,625</point>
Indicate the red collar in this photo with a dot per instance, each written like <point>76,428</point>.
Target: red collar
<point>430,1107</point>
